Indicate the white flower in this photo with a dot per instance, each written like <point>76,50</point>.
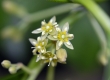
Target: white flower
<point>61,55</point>
<point>39,45</point>
<point>48,57</point>
<point>62,37</point>
<point>47,28</point>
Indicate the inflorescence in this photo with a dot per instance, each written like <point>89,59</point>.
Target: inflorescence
<point>48,46</point>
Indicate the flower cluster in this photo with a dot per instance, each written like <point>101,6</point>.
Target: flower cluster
<point>55,36</point>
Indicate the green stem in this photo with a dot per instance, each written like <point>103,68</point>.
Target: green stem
<point>72,18</point>
<point>24,68</point>
<point>50,73</point>
<point>65,1</point>
<point>97,12</point>
<point>31,65</point>
<point>104,20</point>
<point>107,69</point>
<point>102,39</point>
<point>46,13</point>
<point>35,72</point>
<point>35,68</point>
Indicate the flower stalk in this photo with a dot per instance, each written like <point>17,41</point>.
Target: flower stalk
<point>50,73</point>
<point>24,68</point>
<point>35,72</point>
<point>97,12</point>
<point>46,13</point>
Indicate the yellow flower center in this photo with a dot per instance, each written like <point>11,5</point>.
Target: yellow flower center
<point>47,27</point>
<point>39,46</point>
<point>62,36</point>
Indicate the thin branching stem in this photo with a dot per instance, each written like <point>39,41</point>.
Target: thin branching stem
<point>50,73</point>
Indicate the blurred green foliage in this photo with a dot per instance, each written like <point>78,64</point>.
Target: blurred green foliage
<point>86,43</point>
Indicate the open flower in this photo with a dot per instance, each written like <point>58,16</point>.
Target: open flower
<point>47,28</point>
<point>48,57</point>
<point>39,45</point>
<point>62,37</point>
<point>61,55</point>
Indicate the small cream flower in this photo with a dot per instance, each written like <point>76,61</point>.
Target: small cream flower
<point>61,55</point>
<point>39,45</point>
<point>48,57</point>
<point>47,28</point>
<point>62,37</point>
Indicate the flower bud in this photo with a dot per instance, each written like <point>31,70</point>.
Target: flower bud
<point>61,55</point>
<point>13,8</point>
<point>13,69</point>
<point>12,32</point>
<point>6,63</point>
<point>9,6</point>
<point>104,57</point>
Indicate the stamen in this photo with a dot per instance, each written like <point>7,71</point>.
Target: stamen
<point>43,51</point>
<point>43,22</point>
<point>63,36</point>
<point>50,61</point>
<point>47,27</point>
<point>42,43</point>
<point>55,36</point>
<point>50,30</point>
<point>39,47</point>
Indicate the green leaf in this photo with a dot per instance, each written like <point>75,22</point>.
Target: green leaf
<point>86,46</point>
<point>13,76</point>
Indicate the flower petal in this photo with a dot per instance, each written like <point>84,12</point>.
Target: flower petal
<point>34,51</point>
<point>37,31</point>
<point>53,19</point>
<point>39,39</point>
<point>58,29</point>
<point>53,32</point>
<point>61,55</point>
<point>43,57</point>
<point>33,41</point>
<point>58,44</point>
<point>38,58</point>
<point>43,33</point>
<point>55,23</point>
<point>45,42</point>
<point>52,38</point>
<point>43,22</point>
<point>55,37</point>
<point>43,50</point>
<point>65,27</point>
<point>70,36</point>
<point>69,45</point>
<point>44,36</point>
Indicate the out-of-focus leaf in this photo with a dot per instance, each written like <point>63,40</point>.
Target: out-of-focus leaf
<point>72,18</point>
<point>103,54</point>
<point>67,1</point>
<point>16,76</point>
<point>86,46</point>
<point>30,65</point>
